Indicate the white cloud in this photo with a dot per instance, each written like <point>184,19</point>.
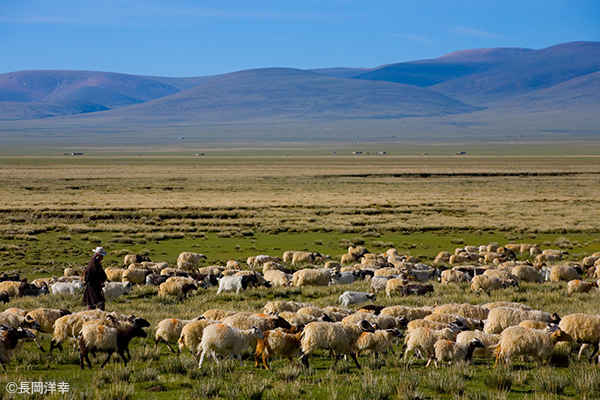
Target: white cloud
<point>414,38</point>
<point>466,31</point>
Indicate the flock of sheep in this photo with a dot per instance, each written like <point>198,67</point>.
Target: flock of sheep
<point>444,333</point>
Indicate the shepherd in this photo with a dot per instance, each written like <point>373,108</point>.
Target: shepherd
<point>94,276</point>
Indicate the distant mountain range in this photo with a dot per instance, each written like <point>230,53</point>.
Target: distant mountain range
<point>557,87</point>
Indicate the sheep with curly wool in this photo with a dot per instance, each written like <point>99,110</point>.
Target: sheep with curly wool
<point>583,328</point>
<point>377,342</point>
<point>114,274</point>
<point>278,278</point>
<point>277,306</point>
<point>447,350</point>
<point>453,276</point>
<point>169,330</point>
<point>312,277</point>
<point>422,341</point>
<point>464,310</point>
<point>339,337</point>
<point>191,336</point>
<point>383,321</point>
<point>220,339</point>
<point>485,283</point>
<point>501,318</point>
<point>188,260</point>
<point>526,273</point>
<point>519,341</point>
<point>410,313</point>
<point>46,317</point>
<point>563,272</point>
<point>136,276</point>
<point>469,323</point>
<point>510,304</point>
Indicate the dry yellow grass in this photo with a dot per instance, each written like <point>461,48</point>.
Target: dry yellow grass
<point>387,193</point>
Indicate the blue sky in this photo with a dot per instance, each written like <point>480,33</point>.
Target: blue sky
<point>183,38</point>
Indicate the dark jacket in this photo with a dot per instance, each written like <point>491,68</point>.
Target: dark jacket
<point>94,276</point>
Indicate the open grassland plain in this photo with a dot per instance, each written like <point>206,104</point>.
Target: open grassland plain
<point>55,210</point>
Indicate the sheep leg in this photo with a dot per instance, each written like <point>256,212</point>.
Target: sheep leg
<point>107,359</point>
<point>39,345</point>
<point>122,354</point>
<point>169,346</point>
<point>429,359</point>
<point>265,358</point>
<point>239,357</point>
<point>55,345</point>
<point>304,359</point>
<point>355,360</point>
<point>214,355</point>
<point>201,359</point>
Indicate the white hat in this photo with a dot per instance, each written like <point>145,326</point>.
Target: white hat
<point>99,250</point>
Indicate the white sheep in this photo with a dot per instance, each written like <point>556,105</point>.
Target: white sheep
<point>469,323</point>
<point>277,306</point>
<point>316,277</point>
<point>563,273</point>
<point>339,337</point>
<point>225,340</point>
<point>114,274</point>
<point>218,314</point>
<point>526,273</point>
<point>519,341</point>
<point>446,350</point>
<point>176,289</point>
<point>169,330</point>
<point>489,341</point>
<point>378,283</point>
<point>304,257</point>
<point>379,341</point>
<point>278,278</point>
<point>583,328</point>
<point>344,278</point>
<point>510,304</point>
<point>188,260</point>
<point>410,313</point>
<point>453,276</point>
<point>191,335</point>
<point>394,285</point>
<point>484,283</point>
<point>112,290</point>
<point>46,317</point>
<point>67,287</point>
<point>422,340</point>
<point>464,310</point>
<point>235,283</point>
<point>137,276</point>
<point>501,318</point>
<point>350,297</point>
